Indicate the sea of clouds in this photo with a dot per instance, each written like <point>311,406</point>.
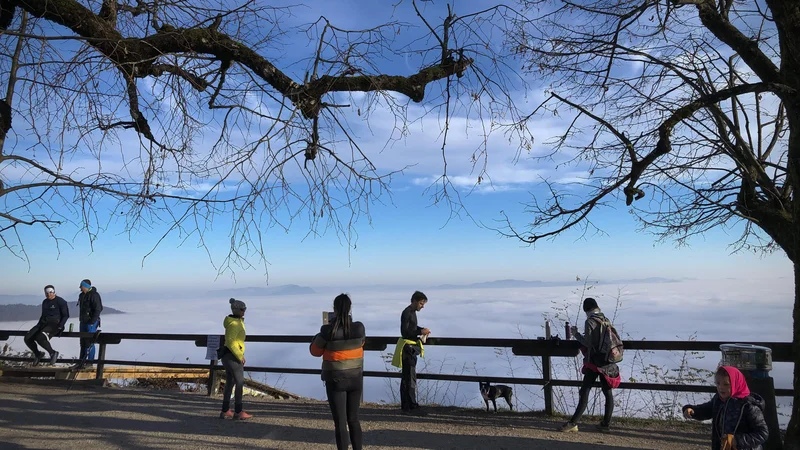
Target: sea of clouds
<point>733,310</point>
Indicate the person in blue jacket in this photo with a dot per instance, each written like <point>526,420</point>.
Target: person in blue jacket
<point>90,306</point>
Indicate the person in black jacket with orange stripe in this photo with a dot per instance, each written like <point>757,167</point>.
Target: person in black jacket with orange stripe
<point>341,345</point>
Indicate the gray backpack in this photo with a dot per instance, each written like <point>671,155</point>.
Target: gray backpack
<point>609,349</point>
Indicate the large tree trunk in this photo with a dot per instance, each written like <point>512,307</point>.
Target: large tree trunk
<point>793,432</point>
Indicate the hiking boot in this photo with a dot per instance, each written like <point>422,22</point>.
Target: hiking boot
<point>53,358</point>
<point>603,428</point>
<point>226,414</point>
<point>37,358</point>
<point>241,416</point>
<point>568,427</point>
<point>415,412</point>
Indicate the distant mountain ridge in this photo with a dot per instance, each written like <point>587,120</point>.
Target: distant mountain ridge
<point>286,289</point>
<point>27,299</point>
<point>511,283</point>
<point>24,313</point>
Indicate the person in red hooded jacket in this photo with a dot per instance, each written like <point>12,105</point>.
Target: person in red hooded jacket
<point>737,414</point>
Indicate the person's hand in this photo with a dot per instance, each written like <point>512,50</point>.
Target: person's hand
<point>728,442</point>
<point>243,360</point>
<point>688,413</point>
<point>60,330</point>
<point>574,330</point>
<point>426,331</point>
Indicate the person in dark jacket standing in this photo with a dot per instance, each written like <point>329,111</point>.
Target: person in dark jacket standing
<point>608,373</point>
<point>90,305</point>
<point>55,313</point>
<point>737,415</point>
<point>341,345</point>
<point>409,346</point>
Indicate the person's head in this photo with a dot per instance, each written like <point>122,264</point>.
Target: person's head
<point>589,305</point>
<point>730,383</point>
<point>237,307</point>
<point>723,382</point>
<point>342,306</point>
<point>418,299</point>
<point>86,285</point>
<point>50,292</point>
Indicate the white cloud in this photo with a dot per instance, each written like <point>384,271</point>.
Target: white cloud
<point>658,311</point>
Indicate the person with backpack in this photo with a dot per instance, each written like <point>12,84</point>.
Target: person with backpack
<point>340,343</point>
<point>602,350</point>
<point>90,305</point>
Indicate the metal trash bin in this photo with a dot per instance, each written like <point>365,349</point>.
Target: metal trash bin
<point>755,362</point>
<point>755,359</point>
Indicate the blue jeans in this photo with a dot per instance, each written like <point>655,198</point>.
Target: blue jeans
<point>87,346</point>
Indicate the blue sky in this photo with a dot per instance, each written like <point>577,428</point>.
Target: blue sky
<point>409,241</point>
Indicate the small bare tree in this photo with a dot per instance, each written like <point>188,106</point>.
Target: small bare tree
<point>175,115</point>
<point>687,109</point>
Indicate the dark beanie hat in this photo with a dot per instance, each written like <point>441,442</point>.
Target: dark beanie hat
<point>237,305</point>
<point>589,304</point>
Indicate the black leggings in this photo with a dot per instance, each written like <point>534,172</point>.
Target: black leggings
<point>40,334</point>
<point>588,380</point>
<point>344,397</point>
<point>234,374</point>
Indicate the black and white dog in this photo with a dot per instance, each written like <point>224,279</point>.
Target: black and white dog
<point>489,392</point>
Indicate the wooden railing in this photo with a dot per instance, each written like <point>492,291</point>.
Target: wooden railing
<point>543,348</point>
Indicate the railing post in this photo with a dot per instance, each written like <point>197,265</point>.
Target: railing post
<point>212,377</point>
<point>100,362</point>
<point>766,388</point>
<point>547,375</point>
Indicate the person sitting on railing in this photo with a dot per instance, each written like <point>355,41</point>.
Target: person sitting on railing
<point>232,357</point>
<point>737,415</point>
<point>408,347</point>
<point>55,313</point>
<point>592,369</point>
<point>341,345</point>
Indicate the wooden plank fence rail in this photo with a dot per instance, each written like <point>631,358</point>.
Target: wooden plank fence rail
<point>542,348</point>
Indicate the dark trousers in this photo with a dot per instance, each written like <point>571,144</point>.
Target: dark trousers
<point>87,344</point>
<point>586,387</point>
<point>408,382</point>
<point>234,374</point>
<point>344,398</point>
<point>41,334</point>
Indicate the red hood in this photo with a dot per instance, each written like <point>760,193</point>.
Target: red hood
<point>739,387</point>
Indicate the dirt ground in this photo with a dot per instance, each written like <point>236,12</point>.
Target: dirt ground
<point>87,418</point>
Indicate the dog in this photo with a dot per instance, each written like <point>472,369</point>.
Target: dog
<point>489,392</point>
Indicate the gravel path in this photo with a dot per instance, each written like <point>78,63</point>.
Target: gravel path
<point>86,418</point>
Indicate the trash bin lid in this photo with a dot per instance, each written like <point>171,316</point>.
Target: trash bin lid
<point>745,347</point>
<point>746,357</point>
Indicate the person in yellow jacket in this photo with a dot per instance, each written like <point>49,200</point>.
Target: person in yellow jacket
<point>232,357</point>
